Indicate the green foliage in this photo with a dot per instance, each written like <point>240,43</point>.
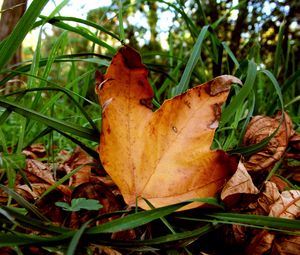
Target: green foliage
<point>78,204</point>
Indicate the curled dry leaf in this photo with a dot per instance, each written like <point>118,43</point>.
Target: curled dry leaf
<point>239,183</point>
<point>284,205</point>
<point>162,156</point>
<point>287,205</point>
<point>280,183</point>
<point>261,243</point>
<point>37,171</point>
<point>81,159</point>
<point>32,194</point>
<point>35,151</point>
<point>286,245</point>
<point>295,141</point>
<point>259,128</point>
<point>267,198</point>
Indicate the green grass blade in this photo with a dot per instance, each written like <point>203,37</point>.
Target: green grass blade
<point>290,81</point>
<point>194,57</point>
<point>15,39</point>
<point>257,147</point>
<point>158,241</point>
<point>21,201</point>
<point>60,59</point>
<point>76,238</point>
<point>78,20</point>
<point>26,221</point>
<point>121,27</point>
<point>258,220</point>
<point>230,54</point>
<point>134,220</point>
<point>60,181</point>
<point>16,239</point>
<point>3,142</point>
<point>278,52</point>
<point>68,94</point>
<point>56,124</point>
<point>190,24</point>
<point>58,8</point>
<point>276,86</point>
<point>83,32</point>
<point>239,99</point>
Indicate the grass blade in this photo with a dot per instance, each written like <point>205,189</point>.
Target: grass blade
<point>12,43</point>
<point>56,124</point>
<point>21,201</point>
<point>237,101</point>
<point>82,32</point>
<point>76,238</point>
<point>194,57</point>
<point>134,220</point>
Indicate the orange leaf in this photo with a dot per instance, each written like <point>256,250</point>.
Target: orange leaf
<point>162,156</point>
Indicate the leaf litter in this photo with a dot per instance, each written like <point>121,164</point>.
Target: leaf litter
<point>140,148</point>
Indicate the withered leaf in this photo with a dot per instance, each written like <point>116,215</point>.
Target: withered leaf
<point>286,245</point>
<point>162,156</point>
<point>287,205</point>
<point>261,127</point>
<point>260,243</point>
<point>268,197</point>
<point>239,183</point>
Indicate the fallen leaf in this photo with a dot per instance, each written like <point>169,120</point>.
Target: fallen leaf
<point>260,243</point>
<point>295,141</point>
<point>286,245</point>
<point>287,205</point>
<point>239,183</point>
<point>261,127</point>
<point>35,151</point>
<point>267,198</point>
<point>33,193</point>
<point>37,171</point>
<point>80,158</point>
<point>161,156</point>
<point>280,183</point>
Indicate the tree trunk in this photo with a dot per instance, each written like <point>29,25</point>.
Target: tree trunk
<point>12,11</point>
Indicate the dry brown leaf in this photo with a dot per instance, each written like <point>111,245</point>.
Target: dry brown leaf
<point>32,194</point>
<point>295,141</point>
<point>280,183</point>
<point>162,156</point>
<point>239,183</point>
<point>38,172</point>
<point>260,243</point>
<point>80,158</point>
<point>268,197</point>
<point>286,245</point>
<point>261,127</point>
<point>287,205</point>
<point>35,151</point>
<point>284,205</point>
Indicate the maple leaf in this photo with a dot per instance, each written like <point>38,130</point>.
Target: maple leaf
<point>163,156</point>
